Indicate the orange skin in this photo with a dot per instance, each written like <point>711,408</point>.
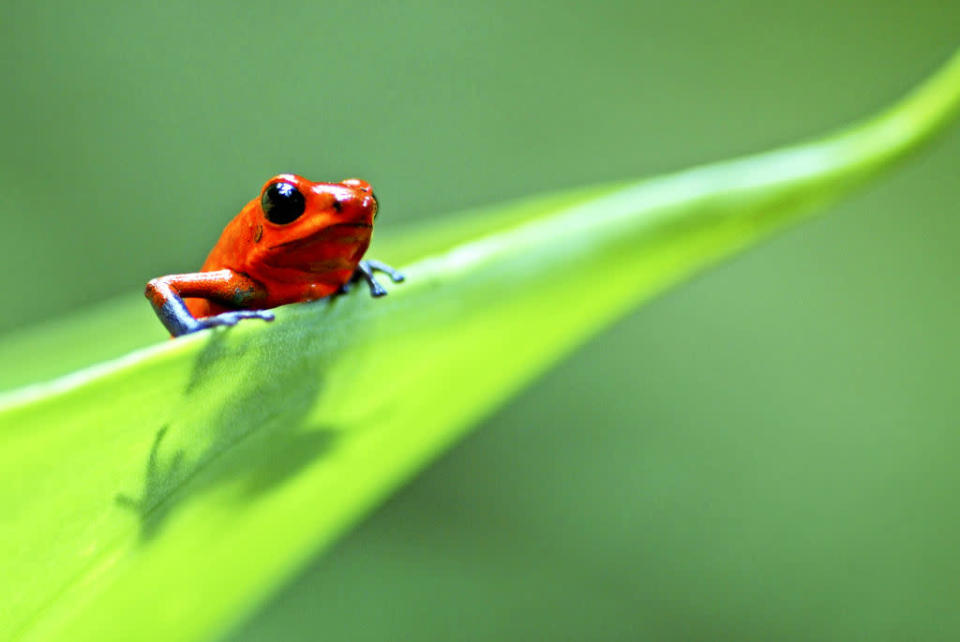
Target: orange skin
<point>260,262</point>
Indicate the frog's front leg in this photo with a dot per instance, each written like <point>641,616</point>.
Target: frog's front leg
<point>226,287</point>
<point>365,270</point>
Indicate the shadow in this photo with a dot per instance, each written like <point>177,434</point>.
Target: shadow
<point>160,479</point>
<point>243,398</point>
<point>213,351</point>
<point>293,454</point>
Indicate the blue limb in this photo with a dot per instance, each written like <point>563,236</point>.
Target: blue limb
<point>226,287</point>
<point>176,318</point>
<point>365,270</point>
<point>380,266</point>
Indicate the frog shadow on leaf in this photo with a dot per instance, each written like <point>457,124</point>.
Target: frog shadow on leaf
<point>263,422</point>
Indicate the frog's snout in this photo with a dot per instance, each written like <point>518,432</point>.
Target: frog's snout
<point>359,184</point>
<point>366,189</point>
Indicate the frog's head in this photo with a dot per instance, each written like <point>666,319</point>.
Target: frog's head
<point>314,229</point>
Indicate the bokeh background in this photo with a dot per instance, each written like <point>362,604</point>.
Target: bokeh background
<point>768,452</point>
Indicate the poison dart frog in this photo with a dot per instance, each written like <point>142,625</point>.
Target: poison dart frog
<point>297,241</point>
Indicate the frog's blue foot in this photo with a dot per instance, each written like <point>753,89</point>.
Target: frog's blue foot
<point>380,266</point>
<point>231,318</point>
<point>365,271</point>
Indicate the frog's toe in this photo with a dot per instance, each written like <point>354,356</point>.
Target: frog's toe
<point>380,266</point>
<point>266,315</point>
<point>219,320</point>
<point>234,317</point>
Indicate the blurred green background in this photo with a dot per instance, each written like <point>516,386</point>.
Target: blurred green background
<point>766,453</point>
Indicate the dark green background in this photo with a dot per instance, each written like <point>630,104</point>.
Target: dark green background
<point>770,452</point>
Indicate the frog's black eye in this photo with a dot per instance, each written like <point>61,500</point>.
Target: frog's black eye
<point>282,203</point>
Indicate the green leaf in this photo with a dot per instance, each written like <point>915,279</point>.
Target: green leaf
<point>163,494</point>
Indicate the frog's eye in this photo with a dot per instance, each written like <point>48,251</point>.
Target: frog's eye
<point>282,203</point>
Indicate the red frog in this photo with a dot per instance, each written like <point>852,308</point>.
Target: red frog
<point>297,241</point>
